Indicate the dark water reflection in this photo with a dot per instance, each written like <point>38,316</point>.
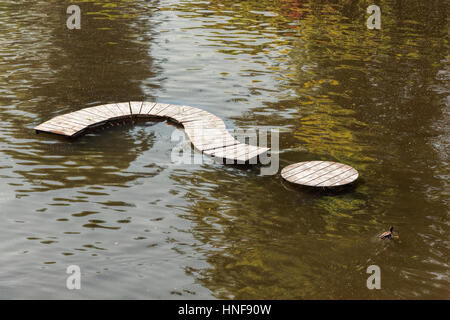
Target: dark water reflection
<point>140,226</point>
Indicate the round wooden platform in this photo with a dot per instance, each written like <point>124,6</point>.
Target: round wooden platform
<point>319,173</point>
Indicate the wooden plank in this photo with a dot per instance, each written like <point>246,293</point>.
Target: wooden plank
<point>252,154</point>
<point>66,124</point>
<point>304,174</point>
<point>323,173</point>
<point>208,145</point>
<point>241,153</point>
<point>319,173</point>
<point>174,110</point>
<point>167,111</point>
<point>44,126</point>
<point>195,116</point>
<point>97,112</point>
<point>124,108</point>
<point>187,114</point>
<point>158,108</point>
<point>89,115</point>
<point>205,132</point>
<point>114,112</point>
<point>82,117</point>
<point>205,124</point>
<point>161,111</point>
<point>136,107</point>
<point>337,178</point>
<point>220,150</point>
<point>186,110</point>
<point>200,116</point>
<point>202,136</point>
<point>68,117</point>
<point>306,166</point>
<point>247,149</point>
<point>48,127</point>
<point>100,110</point>
<point>346,180</point>
<point>292,166</point>
<point>326,174</point>
<point>226,152</point>
<point>146,107</point>
<point>214,143</point>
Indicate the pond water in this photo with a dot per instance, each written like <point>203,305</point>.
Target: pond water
<point>140,226</point>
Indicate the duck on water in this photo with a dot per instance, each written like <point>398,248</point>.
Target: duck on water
<point>389,234</point>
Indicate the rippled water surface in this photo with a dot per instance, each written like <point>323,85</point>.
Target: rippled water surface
<point>140,226</point>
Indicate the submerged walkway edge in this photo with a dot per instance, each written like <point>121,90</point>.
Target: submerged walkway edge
<point>206,131</point>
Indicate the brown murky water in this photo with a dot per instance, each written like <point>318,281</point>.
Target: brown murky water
<point>140,226</point>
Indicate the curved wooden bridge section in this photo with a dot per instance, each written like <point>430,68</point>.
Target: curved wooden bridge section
<point>206,131</point>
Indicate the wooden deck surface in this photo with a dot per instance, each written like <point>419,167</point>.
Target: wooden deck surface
<point>319,173</point>
<point>206,131</point>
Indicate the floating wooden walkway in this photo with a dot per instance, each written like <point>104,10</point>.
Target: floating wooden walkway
<point>207,132</point>
<point>319,173</point>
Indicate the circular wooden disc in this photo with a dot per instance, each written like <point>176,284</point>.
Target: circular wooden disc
<point>319,173</point>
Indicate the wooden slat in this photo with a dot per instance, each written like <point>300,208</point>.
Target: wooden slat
<point>187,110</point>
<point>216,145</point>
<point>146,107</point>
<point>337,178</point>
<point>136,107</point>
<point>226,152</point>
<point>327,174</point>
<point>101,110</point>
<point>346,180</point>
<point>195,117</point>
<point>96,112</point>
<point>174,110</point>
<point>308,172</point>
<point>319,175</point>
<point>299,169</point>
<point>68,117</point>
<point>205,124</point>
<point>206,145</point>
<point>66,124</point>
<point>87,116</point>
<point>207,134</point>
<point>77,119</point>
<point>91,115</point>
<point>187,113</point>
<point>293,166</point>
<point>193,132</point>
<point>158,108</point>
<point>252,154</point>
<point>56,129</point>
<point>124,108</point>
<point>94,120</point>
<point>113,111</point>
<point>169,111</point>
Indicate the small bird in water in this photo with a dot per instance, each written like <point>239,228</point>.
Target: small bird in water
<point>389,234</point>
